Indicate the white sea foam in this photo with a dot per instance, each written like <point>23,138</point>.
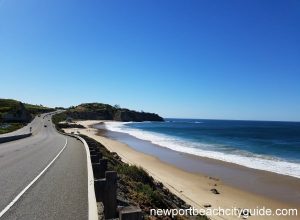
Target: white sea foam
<point>260,162</point>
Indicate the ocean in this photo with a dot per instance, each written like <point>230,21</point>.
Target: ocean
<point>263,145</point>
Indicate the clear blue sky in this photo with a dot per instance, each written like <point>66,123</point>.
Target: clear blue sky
<point>236,59</point>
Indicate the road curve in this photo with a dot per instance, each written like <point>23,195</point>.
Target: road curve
<point>61,191</point>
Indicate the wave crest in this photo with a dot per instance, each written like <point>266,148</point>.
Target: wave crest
<point>260,162</point>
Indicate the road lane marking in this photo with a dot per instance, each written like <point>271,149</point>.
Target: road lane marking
<point>32,182</point>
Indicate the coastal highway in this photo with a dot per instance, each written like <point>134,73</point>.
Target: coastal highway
<point>36,125</point>
<point>43,176</point>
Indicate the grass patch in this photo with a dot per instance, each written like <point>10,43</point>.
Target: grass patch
<point>37,109</point>
<point>135,173</point>
<point>57,118</point>
<point>9,127</point>
<point>10,105</point>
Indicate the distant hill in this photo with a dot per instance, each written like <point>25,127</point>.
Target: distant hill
<point>15,111</point>
<point>99,111</point>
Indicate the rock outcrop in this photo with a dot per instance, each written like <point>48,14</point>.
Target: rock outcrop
<point>17,114</point>
<point>127,115</point>
<point>14,111</point>
<point>98,111</point>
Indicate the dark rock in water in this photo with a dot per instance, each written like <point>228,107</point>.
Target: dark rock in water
<point>207,205</point>
<point>214,191</point>
<point>213,178</point>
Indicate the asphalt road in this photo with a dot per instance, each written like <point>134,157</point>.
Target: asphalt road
<point>61,192</point>
<point>36,125</point>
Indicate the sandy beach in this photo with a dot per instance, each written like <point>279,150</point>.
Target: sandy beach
<point>195,188</point>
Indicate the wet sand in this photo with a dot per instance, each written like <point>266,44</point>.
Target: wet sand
<point>269,184</point>
<point>192,177</point>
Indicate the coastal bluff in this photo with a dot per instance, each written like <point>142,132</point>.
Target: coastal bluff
<point>14,111</point>
<point>99,111</point>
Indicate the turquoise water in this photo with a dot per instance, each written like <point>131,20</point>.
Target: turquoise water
<point>271,146</point>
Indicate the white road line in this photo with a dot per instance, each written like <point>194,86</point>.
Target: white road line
<point>31,183</point>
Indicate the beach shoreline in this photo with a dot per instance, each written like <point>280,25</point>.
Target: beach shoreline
<point>257,181</point>
<point>195,188</point>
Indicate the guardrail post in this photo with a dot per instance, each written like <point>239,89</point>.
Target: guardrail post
<point>100,168</point>
<point>93,152</point>
<point>130,213</point>
<point>110,196</point>
<point>99,185</point>
<point>95,158</point>
<point>106,192</point>
<point>96,149</point>
<point>96,168</point>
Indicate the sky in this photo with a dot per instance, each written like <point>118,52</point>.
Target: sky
<point>217,59</point>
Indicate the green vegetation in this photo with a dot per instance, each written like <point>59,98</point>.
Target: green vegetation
<point>11,105</point>
<point>7,105</point>
<point>57,118</point>
<point>100,111</point>
<point>5,127</point>
<point>19,114</point>
<point>135,173</point>
<point>94,107</point>
<point>138,188</point>
<point>37,109</point>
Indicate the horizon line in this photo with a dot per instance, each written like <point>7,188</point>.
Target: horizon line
<point>171,117</point>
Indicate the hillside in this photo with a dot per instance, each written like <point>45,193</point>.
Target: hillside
<point>11,106</point>
<point>14,114</point>
<point>99,111</point>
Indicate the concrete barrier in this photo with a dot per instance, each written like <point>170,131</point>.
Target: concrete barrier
<point>15,137</point>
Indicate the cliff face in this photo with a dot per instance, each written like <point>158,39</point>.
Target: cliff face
<point>17,113</point>
<point>127,115</point>
<point>98,111</point>
<point>90,115</point>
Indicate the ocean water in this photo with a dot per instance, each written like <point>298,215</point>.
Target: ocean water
<point>270,146</point>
